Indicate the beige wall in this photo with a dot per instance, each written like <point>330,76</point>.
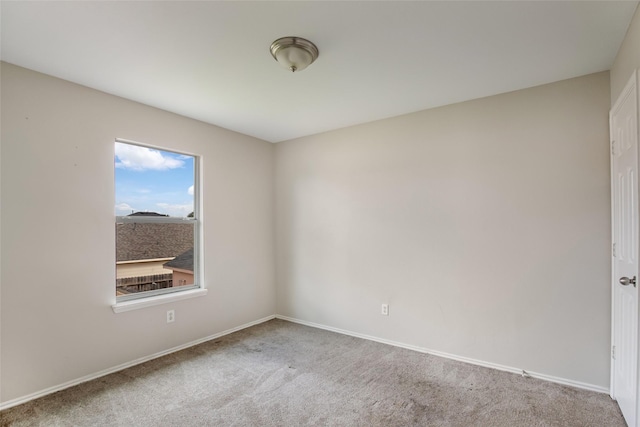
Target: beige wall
<point>628,58</point>
<point>58,208</point>
<point>485,225</point>
<point>180,276</point>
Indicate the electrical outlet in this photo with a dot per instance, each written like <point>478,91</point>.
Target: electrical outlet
<point>385,309</point>
<point>171,316</point>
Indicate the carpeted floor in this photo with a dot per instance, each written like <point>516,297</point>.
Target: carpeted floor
<point>283,374</point>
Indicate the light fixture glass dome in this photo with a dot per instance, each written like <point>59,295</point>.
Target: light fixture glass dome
<point>294,53</point>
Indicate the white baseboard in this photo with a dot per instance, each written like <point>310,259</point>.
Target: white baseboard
<point>24,399</point>
<point>499,367</point>
<point>18,401</point>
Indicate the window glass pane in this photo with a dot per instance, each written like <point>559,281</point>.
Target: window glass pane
<point>151,256</point>
<point>153,188</point>
<point>153,182</point>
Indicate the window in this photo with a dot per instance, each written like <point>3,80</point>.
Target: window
<point>157,221</point>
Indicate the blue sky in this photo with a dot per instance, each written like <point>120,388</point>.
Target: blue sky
<point>153,180</point>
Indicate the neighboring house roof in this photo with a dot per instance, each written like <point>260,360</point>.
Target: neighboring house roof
<point>146,214</point>
<point>137,241</point>
<point>184,261</point>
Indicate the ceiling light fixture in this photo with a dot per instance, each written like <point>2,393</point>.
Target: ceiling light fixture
<point>294,53</point>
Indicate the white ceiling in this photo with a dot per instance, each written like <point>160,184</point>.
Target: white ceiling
<point>211,60</point>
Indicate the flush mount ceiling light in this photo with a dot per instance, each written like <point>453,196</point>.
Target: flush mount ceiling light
<point>294,53</point>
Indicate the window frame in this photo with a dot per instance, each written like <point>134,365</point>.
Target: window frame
<point>161,296</point>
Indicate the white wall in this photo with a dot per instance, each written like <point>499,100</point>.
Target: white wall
<point>58,257</point>
<point>627,59</point>
<point>485,225</point>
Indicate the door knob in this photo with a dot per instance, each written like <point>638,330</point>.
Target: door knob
<point>625,281</point>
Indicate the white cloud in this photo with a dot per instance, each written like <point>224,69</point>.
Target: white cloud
<point>175,209</point>
<point>123,208</point>
<point>142,158</point>
<point>190,191</point>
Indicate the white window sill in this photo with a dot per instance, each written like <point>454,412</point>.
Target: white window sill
<point>137,304</point>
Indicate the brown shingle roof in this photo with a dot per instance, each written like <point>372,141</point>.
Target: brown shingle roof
<point>184,261</point>
<point>136,241</point>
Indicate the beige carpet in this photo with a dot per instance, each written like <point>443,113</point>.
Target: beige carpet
<point>283,374</point>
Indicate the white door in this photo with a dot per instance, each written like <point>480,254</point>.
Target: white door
<point>624,186</point>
